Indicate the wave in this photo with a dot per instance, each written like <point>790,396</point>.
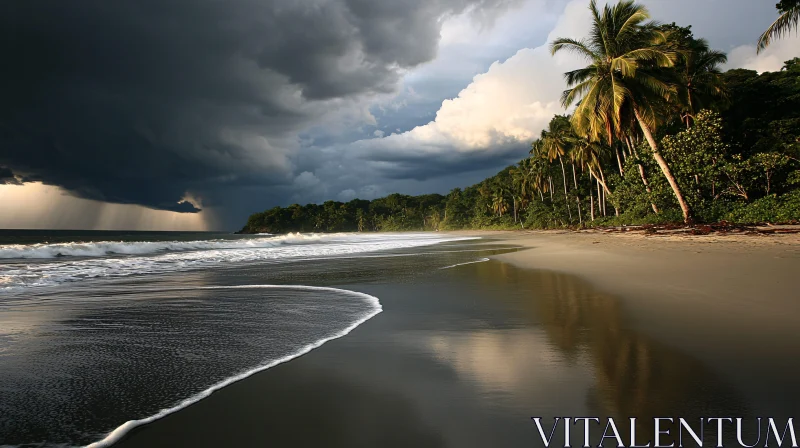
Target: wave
<point>115,435</point>
<point>106,248</point>
<point>181,256</point>
<point>462,264</point>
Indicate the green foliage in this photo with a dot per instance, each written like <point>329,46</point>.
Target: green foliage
<point>772,208</point>
<point>764,114</point>
<point>786,5</point>
<point>697,156</point>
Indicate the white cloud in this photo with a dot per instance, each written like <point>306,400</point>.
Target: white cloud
<point>306,180</point>
<point>514,100</point>
<point>378,133</point>
<point>508,105</point>
<point>770,60</point>
<point>347,195</point>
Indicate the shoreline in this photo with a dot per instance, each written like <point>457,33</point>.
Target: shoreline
<point>121,431</point>
<point>699,305</point>
<point>664,229</point>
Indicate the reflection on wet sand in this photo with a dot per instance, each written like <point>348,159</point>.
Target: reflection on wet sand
<point>515,366</point>
<point>461,357</point>
<point>298,407</point>
<point>633,375</point>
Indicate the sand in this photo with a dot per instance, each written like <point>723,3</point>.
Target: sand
<point>713,296</point>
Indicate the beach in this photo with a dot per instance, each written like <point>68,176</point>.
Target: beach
<point>731,301</point>
<point>554,324</point>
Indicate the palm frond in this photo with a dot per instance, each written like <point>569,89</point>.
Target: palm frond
<point>659,57</point>
<point>570,96</point>
<point>625,66</point>
<point>654,84</point>
<point>576,46</point>
<point>631,25</point>
<point>580,75</point>
<point>780,27</point>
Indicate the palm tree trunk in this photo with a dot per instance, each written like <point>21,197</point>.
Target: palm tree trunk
<point>647,187</point>
<point>574,176</point>
<point>606,192</point>
<point>599,179</point>
<point>605,187</point>
<point>577,196</point>
<point>633,148</point>
<point>599,198</point>
<point>591,198</point>
<point>687,212</point>
<point>619,162</point>
<point>515,209</point>
<point>602,203</point>
<point>641,173</point>
<point>564,177</point>
<point>597,184</point>
<point>550,179</point>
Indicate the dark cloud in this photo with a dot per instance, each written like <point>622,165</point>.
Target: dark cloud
<point>423,166</point>
<point>142,101</point>
<point>7,177</point>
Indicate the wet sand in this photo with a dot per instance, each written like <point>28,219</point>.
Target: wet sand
<point>732,301</point>
<point>575,325</point>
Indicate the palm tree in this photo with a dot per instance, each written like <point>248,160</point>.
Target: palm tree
<point>360,219</point>
<point>624,81</point>
<point>542,163</point>
<point>499,204</point>
<point>539,173</point>
<point>700,83</point>
<point>522,176</point>
<point>522,181</point>
<point>555,145</point>
<point>789,18</point>
<point>588,154</point>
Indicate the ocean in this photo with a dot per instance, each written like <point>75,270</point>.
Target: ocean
<point>101,332</point>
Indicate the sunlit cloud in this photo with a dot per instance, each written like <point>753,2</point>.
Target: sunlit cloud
<point>38,206</point>
<point>772,59</point>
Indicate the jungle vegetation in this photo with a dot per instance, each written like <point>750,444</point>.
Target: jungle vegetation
<point>658,133</point>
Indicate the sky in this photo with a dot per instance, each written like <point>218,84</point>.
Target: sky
<point>191,115</point>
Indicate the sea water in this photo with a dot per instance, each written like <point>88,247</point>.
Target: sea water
<point>104,331</point>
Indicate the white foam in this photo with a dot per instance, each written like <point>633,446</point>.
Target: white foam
<point>469,262</point>
<point>115,435</point>
<point>196,254</point>
<point>106,248</point>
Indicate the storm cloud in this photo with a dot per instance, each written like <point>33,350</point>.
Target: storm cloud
<point>235,106</point>
<point>143,102</point>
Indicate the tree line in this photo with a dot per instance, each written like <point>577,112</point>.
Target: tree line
<point>658,133</point>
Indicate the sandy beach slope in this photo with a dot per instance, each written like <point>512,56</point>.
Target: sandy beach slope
<point>712,296</point>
